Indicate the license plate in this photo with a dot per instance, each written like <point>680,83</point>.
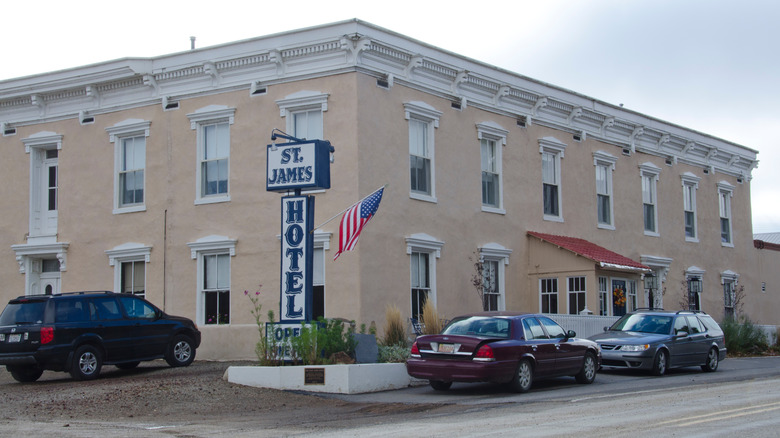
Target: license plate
<point>446,348</point>
<point>15,337</point>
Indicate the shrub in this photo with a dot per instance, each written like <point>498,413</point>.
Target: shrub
<point>393,353</point>
<point>432,324</point>
<point>743,337</point>
<point>395,333</point>
<point>320,340</point>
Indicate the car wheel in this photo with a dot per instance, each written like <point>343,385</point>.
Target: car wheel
<point>659,364</point>
<point>127,365</point>
<point>24,374</point>
<point>439,385</point>
<point>87,362</point>
<point>524,376</point>
<point>712,361</point>
<point>588,372</point>
<point>180,352</point>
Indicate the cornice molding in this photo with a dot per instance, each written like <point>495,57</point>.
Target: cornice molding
<point>357,46</point>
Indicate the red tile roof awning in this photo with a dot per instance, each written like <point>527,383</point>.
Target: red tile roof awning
<point>605,258</point>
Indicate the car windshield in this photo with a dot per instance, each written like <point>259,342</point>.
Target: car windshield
<point>28,312</point>
<point>478,326</point>
<point>657,324</point>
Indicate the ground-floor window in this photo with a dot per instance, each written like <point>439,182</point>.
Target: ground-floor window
<point>604,296</point>
<point>421,282</point>
<point>216,288</point>
<point>577,294</point>
<point>491,292</point>
<point>548,290</point>
<point>694,293</point>
<point>133,278</point>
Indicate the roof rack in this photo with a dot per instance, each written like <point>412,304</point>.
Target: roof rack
<point>691,311</point>
<point>659,309</point>
<point>87,292</point>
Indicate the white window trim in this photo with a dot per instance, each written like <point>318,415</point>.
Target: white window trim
<point>127,252</point>
<point>425,243</point>
<point>36,145</point>
<point>696,272</point>
<point>557,294</point>
<point>556,147</point>
<point>726,189</point>
<point>493,131</point>
<point>302,101</point>
<point>601,158</point>
<point>210,245</point>
<point>653,172</point>
<point>691,180</point>
<point>496,252</point>
<point>118,132</point>
<point>428,114</point>
<point>205,116</point>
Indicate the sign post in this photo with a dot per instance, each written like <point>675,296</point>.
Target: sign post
<point>292,167</point>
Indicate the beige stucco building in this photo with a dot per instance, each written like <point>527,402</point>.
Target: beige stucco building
<point>148,176</point>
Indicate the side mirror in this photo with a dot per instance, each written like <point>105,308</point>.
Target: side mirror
<point>606,328</point>
<point>571,334</point>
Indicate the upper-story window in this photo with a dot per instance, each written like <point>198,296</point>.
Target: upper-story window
<point>690,183</point>
<point>605,164</point>
<point>213,151</point>
<point>492,139</point>
<point>552,151</point>
<point>725,192</point>
<point>303,112</point>
<point>649,174</point>
<point>423,120</point>
<point>129,139</point>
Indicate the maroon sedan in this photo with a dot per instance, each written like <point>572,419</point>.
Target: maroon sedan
<point>502,347</point>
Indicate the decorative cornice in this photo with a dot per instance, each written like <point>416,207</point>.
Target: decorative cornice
<point>350,46</point>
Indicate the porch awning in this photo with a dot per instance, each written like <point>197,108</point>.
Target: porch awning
<point>605,258</point>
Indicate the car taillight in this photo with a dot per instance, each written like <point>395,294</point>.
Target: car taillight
<point>485,354</point>
<point>47,335</point>
<point>415,351</point>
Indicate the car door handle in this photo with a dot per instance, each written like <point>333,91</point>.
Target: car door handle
<point>533,348</point>
<point>557,346</point>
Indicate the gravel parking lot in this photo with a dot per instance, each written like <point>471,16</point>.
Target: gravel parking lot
<point>155,394</point>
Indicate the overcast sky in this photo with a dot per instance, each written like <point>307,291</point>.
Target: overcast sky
<point>709,65</point>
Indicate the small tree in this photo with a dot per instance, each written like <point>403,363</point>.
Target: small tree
<point>479,281</point>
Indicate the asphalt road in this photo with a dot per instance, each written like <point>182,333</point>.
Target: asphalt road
<point>742,397</point>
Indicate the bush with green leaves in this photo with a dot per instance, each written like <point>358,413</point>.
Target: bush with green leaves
<point>743,337</point>
<point>320,340</point>
<point>392,353</point>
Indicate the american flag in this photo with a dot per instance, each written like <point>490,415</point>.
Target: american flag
<point>355,218</point>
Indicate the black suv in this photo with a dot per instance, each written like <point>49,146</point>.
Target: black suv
<point>80,332</point>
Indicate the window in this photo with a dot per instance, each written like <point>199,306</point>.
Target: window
<point>423,119</point>
<point>135,308</point>
<point>129,262</point>
<point>491,137</point>
<point>491,176</point>
<point>133,278</point>
<point>213,255</point>
<point>494,258</point>
<point>321,244</point>
<point>730,304</point>
<point>725,192</point>
<point>577,295</point>
<point>421,282</point>
<point>631,296</point>
<point>690,183</point>
<point>694,293</point>
<point>552,151</point>
<point>129,139</point>
<point>423,250</point>
<point>649,174</point>
<point>605,164</point>
<point>43,148</point>
<point>303,112</point>
<point>548,288</point>
<point>532,329</point>
<point>216,288</point>
<point>553,329</point>
<point>213,152</point>
<point>604,301</point>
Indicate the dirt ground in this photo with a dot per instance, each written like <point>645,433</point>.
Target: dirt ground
<point>195,394</point>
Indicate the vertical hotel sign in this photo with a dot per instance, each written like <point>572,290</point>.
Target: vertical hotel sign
<point>292,167</point>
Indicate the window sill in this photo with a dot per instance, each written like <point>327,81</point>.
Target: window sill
<point>692,239</point>
<point>212,200</point>
<point>421,197</point>
<point>727,244</point>
<point>495,210</point>
<point>606,227</point>
<point>652,234</point>
<point>133,209</point>
<point>550,218</point>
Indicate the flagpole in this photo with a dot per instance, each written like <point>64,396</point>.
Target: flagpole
<point>342,211</point>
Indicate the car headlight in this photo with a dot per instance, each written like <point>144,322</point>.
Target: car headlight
<point>634,347</point>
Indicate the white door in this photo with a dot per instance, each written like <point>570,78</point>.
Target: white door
<point>49,196</point>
